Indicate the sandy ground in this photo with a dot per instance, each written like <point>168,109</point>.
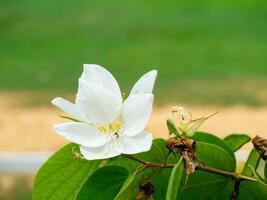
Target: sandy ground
<point>29,128</point>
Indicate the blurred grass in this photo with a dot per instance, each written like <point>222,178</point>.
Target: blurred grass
<point>206,51</point>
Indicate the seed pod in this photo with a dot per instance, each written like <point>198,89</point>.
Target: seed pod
<point>260,145</point>
<point>145,192</point>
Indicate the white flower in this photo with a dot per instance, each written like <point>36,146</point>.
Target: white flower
<point>106,126</point>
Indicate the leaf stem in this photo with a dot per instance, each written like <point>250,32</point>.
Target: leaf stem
<point>200,166</point>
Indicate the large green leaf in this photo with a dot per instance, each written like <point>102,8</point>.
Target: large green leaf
<point>157,154</point>
<point>252,161</point>
<point>160,176</point>
<point>62,175</point>
<point>252,191</point>
<point>105,183</point>
<point>175,180</point>
<point>209,138</point>
<point>236,141</point>
<point>124,188</point>
<point>204,185</point>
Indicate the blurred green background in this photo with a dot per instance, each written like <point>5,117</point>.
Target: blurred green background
<point>206,52</point>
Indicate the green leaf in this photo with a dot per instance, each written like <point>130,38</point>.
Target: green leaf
<point>212,139</point>
<point>258,177</point>
<point>157,154</point>
<point>250,190</point>
<point>123,190</point>
<point>172,128</point>
<point>175,180</point>
<point>252,161</point>
<point>194,125</point>
<point>204,185</point>
<point>105,183</point>
<point>236,141</point>
<point>61,176</point>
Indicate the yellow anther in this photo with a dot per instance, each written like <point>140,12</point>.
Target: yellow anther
<point>113,128</point>
<point>118,125</point>
<point>110,127</point>
<point>102,128</point>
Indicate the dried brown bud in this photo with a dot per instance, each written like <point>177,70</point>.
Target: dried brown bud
<point>145,191</point>
<point>260,145</point>
<point>171,143</point>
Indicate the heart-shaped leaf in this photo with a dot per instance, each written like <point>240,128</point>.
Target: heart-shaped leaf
<point>203,185</point>
<point>105,183</point>
<point>236,141</point>
<point>212,139</point>
<point>123,190</point>
<point>61,176</point>
<point>251,163</point>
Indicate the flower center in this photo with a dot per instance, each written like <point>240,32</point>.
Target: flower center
<point>113,129</point>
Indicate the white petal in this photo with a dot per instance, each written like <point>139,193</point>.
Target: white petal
<point>140,143</point>
<point>99,104</point>
<point>145,84</point>
<point>81,133</point>
<point>136,111</point>
<point>97,75</point>
<point>107,151</point>
<point>69,108</point>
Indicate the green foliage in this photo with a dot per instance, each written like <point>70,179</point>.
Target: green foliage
<point>195,124</point>
<point>265,170</point>
<point>215,153</point>
<point>172,128</point>
<point>236,141</point>
<point>120,178</point>
<point>252,162</point>
<point>175,180</point>
<point>62,175</point>
<point>252,191</point>
<point>124,188</point>
<point>157,154</point>
<point>105,183</point>
<point>212,139</point>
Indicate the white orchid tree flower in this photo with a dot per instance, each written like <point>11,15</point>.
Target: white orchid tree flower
<point>104,125</point>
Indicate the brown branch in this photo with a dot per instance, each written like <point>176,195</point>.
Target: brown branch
<point>235,192</point>
<point>200,167</point>
<point>216,171</point>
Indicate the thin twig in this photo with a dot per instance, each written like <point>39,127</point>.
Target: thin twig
<point>235,192</point>
<point>200,167</point>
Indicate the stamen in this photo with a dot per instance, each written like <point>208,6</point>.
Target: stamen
<point>113,128</point>
<point>110,127</point>
<point>102,128</point>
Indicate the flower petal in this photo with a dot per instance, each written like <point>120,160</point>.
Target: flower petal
<point>136,111</point>
<point>99,104</point>
<point>103,152</point>
<point>69,108</point>
<point>97,75</point>
<point>145,84</point>
<point>81,133</point>
<point>140,143</point>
